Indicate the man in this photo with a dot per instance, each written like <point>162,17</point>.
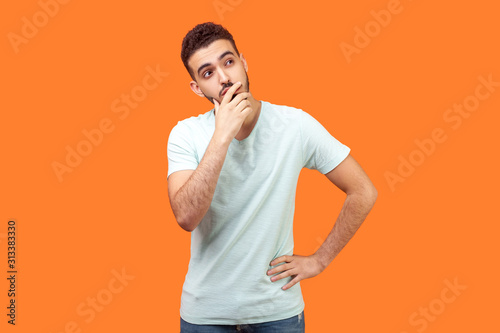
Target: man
<point>232,178</point>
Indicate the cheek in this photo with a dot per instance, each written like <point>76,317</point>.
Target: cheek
<point>209,90</point>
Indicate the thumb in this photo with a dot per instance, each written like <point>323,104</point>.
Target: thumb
<point>216,104</point>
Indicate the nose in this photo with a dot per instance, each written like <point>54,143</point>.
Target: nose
<point>223,77</point>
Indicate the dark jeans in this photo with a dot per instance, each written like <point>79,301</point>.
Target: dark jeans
<point>294,324</point>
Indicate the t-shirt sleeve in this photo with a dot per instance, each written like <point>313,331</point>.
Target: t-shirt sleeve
<point>180,150</point>
<point>320,150</point>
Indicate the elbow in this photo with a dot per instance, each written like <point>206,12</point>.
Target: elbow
<point>367,194</point>
<point>372,194</point>
<point>186,228</point>
<point>182,217</point>
<point>185,222</point>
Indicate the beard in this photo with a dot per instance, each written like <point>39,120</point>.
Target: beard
<point>211,99</point>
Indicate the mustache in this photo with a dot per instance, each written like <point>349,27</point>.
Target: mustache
<point>226,85</point>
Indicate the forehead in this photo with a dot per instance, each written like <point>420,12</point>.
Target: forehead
<point>210,54</point>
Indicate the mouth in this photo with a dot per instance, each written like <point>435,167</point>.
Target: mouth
<point>225,91</point>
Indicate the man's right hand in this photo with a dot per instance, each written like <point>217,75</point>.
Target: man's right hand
<point>191,191</point>
<point>230,114</point>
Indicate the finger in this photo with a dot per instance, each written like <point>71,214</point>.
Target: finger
<point>279,269</point>
<point>229,93</point>
<point>284,274</point>
<point>291,283</point>
<point>246,111</point>
<point>242,106</point>
<point>279,277</point>
<point>240,97</point>
<point>279,259</point>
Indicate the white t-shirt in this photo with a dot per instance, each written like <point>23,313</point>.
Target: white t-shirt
<point>250,220</point>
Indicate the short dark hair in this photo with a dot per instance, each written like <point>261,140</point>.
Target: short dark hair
<point>201,36</point>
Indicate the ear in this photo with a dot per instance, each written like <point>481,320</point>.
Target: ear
<point>243,60</point>
<point>196,89</point>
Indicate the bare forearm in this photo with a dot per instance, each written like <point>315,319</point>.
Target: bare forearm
<point>354,211</point>
<point>193,199</point>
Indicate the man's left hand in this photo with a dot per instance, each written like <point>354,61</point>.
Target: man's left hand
<point>299,267</point>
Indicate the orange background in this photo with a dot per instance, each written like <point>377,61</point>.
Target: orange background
<point>112,211</point>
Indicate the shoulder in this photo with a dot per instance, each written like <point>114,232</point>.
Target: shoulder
<point>194,123</point>
<point>285,109</point>
<point>293,117</point>
<point>284,113</point>
<point>202,119</point>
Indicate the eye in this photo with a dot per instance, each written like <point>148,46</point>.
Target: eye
<point>229,61</point>
<point>205,74</point>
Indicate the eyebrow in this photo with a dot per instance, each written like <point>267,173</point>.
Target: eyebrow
<point>220,58</point>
